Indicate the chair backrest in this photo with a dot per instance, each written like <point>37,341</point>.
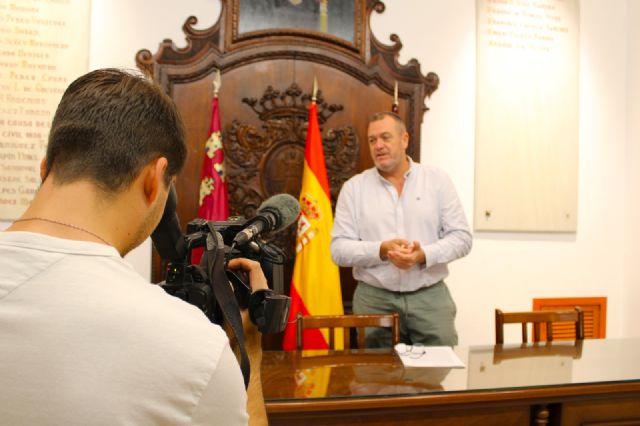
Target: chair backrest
<point>537,318</point>
<point>347,322</point>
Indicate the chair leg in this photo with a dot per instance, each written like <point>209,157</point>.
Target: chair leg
<point>299,331</point>
<point>525,335</point>
<point>499,327</point>
<point>361,338</point>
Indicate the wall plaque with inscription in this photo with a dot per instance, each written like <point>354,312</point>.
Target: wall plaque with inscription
<point>527,116</point>
<point>44,45</point>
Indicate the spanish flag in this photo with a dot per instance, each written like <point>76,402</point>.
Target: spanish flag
<point>312,382</point>
<point>315,285</point>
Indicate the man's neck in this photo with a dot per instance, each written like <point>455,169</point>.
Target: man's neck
<point>397,176</point>
<point>76,211</point>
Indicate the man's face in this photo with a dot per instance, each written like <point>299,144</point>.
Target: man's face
<point>387,144</point>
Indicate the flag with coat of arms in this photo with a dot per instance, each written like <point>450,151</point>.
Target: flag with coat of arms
<point>315,285</point>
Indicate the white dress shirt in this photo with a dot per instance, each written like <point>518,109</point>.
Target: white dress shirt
<point>369,211</point>
<point>87,341</point>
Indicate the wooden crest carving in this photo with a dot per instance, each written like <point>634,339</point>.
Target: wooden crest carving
<point>263,162</point>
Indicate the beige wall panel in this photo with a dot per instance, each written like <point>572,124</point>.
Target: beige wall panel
<point>527,116</point>
<point>44,46</point>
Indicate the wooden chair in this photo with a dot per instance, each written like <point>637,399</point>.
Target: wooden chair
<point>536,318</point>
<point>347,322</point>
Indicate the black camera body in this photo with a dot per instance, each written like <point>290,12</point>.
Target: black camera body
<point>268,309</point>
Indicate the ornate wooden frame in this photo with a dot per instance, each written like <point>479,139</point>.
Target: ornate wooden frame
<point>278,67</point>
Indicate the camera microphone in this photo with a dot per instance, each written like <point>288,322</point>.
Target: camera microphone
<point>274,214</point>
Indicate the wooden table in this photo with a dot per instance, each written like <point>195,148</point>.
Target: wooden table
<point>594,382</point>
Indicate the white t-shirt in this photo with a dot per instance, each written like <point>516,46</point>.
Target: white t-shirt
<point>85,340</point>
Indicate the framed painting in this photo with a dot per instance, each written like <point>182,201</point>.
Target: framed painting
<point>334,18</point>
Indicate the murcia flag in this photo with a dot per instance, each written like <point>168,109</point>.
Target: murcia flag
<point>212,203</point>
<point>315,285</point>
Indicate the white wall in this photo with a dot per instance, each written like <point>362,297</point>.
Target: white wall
<point>119,28</point>
<point>508,270</point>
<point>632,247</point>
<point>503,270</point>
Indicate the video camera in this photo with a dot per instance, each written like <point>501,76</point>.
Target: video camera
<point>222,241</point>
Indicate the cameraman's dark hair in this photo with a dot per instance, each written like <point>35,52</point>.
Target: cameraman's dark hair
<point>108,125</point>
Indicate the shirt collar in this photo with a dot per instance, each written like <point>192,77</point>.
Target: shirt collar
<point>412,167</point>
<point>406,174</point>
<point>38,241</point>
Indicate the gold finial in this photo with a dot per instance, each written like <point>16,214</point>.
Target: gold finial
<point>217,83</point>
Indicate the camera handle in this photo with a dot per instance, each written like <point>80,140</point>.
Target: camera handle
<point>267,310</point>
<point>213,263</point>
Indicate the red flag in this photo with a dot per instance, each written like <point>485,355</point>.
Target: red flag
<point>213,202</point>
<point>315,285</point>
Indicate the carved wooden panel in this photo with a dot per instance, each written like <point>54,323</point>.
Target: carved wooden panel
<point>262,162</point>
<point>267,77</point>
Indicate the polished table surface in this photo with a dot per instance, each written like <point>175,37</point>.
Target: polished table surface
<point>380,372</point>
<point>329,378</point>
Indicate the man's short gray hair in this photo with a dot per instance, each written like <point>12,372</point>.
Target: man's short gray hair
<point>381,115</point>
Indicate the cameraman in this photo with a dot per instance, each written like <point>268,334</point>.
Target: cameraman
<point>85,339</point>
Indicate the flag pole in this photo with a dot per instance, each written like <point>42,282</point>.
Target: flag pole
<point>216,83</point>
<point>314,93</point>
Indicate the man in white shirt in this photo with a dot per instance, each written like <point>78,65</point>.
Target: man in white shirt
<point>85,339</point>
<point>398,224</point>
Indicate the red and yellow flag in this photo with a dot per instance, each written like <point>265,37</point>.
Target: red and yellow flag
<point>315,285</point>
<point>213,204</point>
<point>213,201</point>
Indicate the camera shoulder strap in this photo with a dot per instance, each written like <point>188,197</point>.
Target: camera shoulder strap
<point>225,298</point>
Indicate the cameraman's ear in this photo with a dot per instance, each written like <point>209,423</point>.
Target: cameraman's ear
<point>153,179</point>
<point>43,169</point>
